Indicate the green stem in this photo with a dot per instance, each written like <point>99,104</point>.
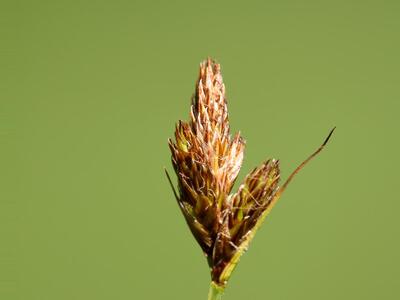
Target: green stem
<point>215,292</point>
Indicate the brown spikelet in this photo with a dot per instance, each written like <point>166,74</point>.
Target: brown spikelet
<point>207,160</point>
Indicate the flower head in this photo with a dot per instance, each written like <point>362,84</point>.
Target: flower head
<point>207,160</point>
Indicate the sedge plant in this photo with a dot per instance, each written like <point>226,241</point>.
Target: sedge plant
<point>207,159</point>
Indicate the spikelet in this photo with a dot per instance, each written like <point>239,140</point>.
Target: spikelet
<point>207,160</point>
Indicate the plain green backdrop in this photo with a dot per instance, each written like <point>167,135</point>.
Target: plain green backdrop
<point>89,93</point>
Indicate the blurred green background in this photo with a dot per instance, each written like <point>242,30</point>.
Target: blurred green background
<point>90,92</point>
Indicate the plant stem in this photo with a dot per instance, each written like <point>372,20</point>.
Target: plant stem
<point>215,292</point>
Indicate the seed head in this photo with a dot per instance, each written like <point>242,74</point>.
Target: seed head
<point>207,160</point>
